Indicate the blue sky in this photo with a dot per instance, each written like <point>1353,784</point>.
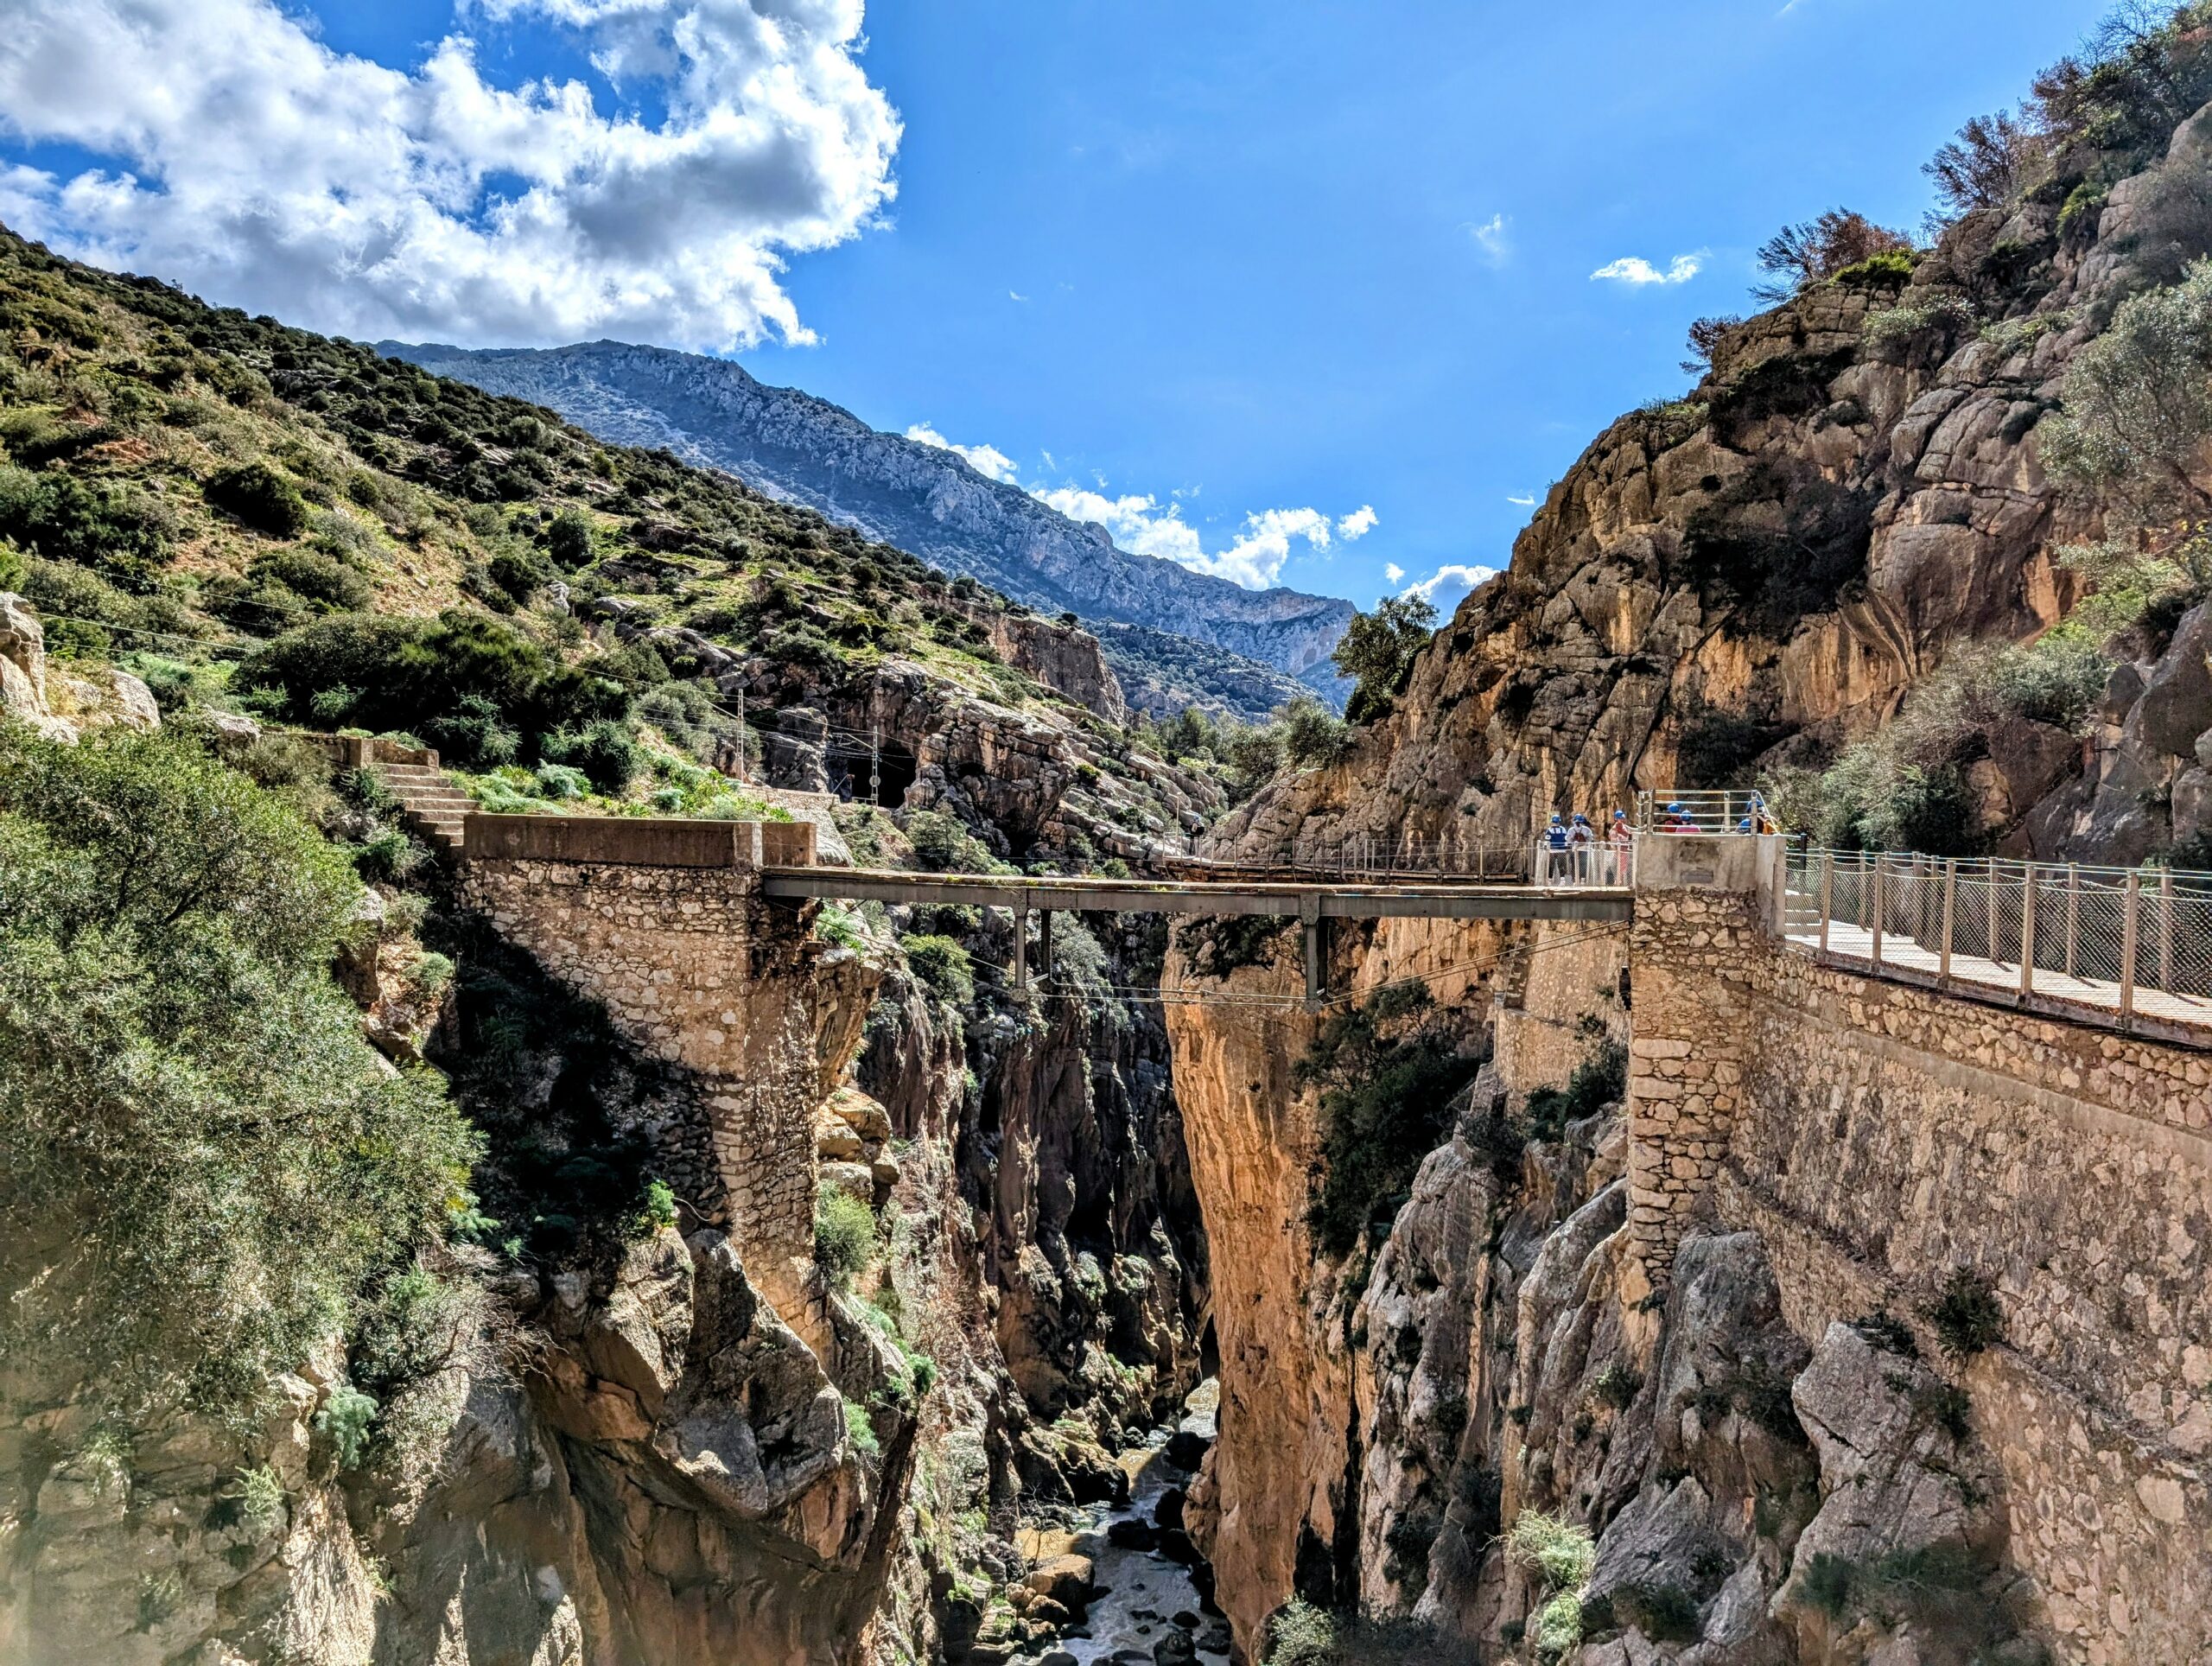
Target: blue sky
<point>1234,258</point>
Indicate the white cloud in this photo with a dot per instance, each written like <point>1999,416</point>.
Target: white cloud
<point>1015,295</point>
<point>1140,523</point>
<point>243,157</point>
<point>1358,523</point>
<point>1448,584</point>
<point>1522,499</point>
<point>1392,572</point>
<point>1491,236</point>
<point>1636,270</point>
<point>986,459</point>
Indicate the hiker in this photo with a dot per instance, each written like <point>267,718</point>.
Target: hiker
<point>1556,856</point>
<point>1581,844</point>
<point>1620,839</point>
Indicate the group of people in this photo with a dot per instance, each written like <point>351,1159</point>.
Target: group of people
<point>1576,853</point>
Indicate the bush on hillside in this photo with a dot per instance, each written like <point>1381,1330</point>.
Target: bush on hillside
<point>943,966</point>
<point>845,1239</point>
<point>114,531</point>
<point>1378,649</point>
<point>187,1111</point>
<point>261,498</point>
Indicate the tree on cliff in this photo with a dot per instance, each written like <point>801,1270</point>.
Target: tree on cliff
<point>1379,649</point>
<point>1813,250</point>
<point>202,1159</point>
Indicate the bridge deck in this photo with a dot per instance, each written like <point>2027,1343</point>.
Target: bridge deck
<point>1291,900</point>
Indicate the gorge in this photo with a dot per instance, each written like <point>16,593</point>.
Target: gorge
<point>474,1188</point>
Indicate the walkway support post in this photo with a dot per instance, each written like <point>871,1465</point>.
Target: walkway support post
<point>2073,913</point>
<point>2132,908</point>
<point>1828,895</point>
<point>1022,948</point>
<point>1950,915</point>
<point>1874,909</point>
<point>1317,947</point>
<point>2166,930</point>
<point>2028,932</point>
<point>1044,944</point>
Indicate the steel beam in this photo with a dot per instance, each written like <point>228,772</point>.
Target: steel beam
<point>1197,897</point>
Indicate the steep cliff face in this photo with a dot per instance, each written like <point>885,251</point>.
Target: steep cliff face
<point>922,498</point>
<point>1755,575</point>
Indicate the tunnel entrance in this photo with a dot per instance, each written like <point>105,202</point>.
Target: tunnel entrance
<point>850,762</point>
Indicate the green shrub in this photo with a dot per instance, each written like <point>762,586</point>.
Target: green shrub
<point>345,1417</point>
<point>12,568</point>
<point>1301,1635</point>
<point>845,1240</point>
<point>1388,1072</point>
<point>473,735</point>
<point>259,1496</point>
<point>606,752</point>
<point>1378,649</point>
<point>1618,1385</point>
<point>317,577</point>
<point>569,540</point>
<point>943,966</point>
<point>860,1428</point>
<point>1967,1316</point>
<point>1558,1552</point>
<point>1312,736</point>
<point>179,1081</point>
<point>943,843</point>
<point>1664,1613</point>
<point>656,1212</point>
<point>261,498</point>
<point>111,530</point>
<point>1556,1630</point>
<point>1599,1080</point>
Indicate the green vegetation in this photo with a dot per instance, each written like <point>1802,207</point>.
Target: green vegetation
<point>1839,244</point>
<point>1905,788</point>
<point>860,1429</point>
<point>1967,1316</point>
<point>943,967</point>
<point>1244,758</point>
<point>1561,1554</point>
<point>1301,1635</point>
<point>1388,1071</point>
<point>1599,1080</point>
<point>845,1237</point>
<point>185,1097</point>
<point>1920,1583</point>
<point>1378,649</point>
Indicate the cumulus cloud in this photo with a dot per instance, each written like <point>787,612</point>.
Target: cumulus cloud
<point>1636,271</point>
<point>1392,572</point>
<point>986,459</point>
<point>240,155</point>
<point>1447,585</point>
<point>1489,235</point>
<point>1358,523</point>
<point>1254,558</point>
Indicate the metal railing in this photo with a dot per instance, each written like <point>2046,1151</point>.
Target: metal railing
<point>1376,856</point>
<point>2136,941</point>
<point>1601,864</point>
<point>1717,810</point>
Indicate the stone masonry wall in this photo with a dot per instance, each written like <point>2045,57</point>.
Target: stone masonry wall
<point>1879,1136</point>
<point>1890,1135</point>
<point>694,966</point>
<point>1698,932</point>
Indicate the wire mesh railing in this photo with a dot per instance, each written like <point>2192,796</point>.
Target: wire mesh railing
<point>1368,857</point>
<point>1705,810</point>
<point>2137,940</point>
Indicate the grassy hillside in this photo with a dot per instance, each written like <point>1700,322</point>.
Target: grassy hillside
<point>260,518</point>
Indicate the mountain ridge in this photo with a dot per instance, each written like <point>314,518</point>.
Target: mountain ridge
<point>806,449</point>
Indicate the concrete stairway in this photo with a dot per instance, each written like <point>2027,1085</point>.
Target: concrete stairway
<point>431,806</point>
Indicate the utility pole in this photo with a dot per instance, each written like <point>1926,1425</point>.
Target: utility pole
<point>876,763</point>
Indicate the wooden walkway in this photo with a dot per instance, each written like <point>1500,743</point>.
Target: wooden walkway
<point>2157,1013</point>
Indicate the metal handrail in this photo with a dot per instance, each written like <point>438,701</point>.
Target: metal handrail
<point>2104,939</point>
